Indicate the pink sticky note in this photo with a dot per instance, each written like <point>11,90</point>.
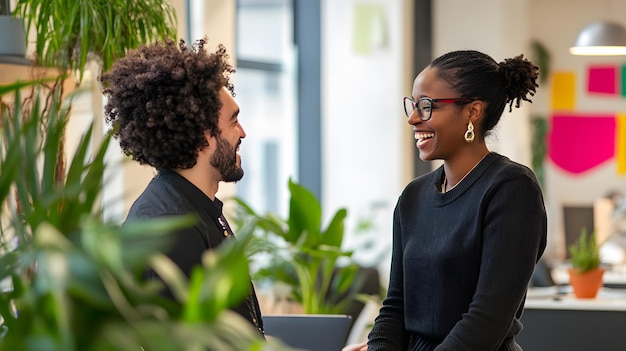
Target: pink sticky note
<point>602,79</point>
<point>577,143</point>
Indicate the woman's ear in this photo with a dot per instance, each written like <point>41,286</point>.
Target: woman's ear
<point>476,110</point>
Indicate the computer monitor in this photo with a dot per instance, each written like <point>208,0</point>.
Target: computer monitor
<point>575,218</point>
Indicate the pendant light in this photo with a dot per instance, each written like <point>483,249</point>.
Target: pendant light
<point>602,38</point>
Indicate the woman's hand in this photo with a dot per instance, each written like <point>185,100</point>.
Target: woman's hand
<point>355,347</point>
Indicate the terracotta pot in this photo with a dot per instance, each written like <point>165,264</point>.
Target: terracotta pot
<point>586,285</point>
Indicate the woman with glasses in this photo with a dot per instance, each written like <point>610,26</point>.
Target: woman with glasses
<point>466,236</point>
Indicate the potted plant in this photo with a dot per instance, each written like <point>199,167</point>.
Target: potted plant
<point>69,35</point>
<point>585,273</point>
<point>304,255</point>
<point>72,281</point>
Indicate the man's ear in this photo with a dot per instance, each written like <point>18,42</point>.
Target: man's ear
<point>210,140</point>
<point>209,137</point>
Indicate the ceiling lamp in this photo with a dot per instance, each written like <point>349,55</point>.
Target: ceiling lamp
<point>601,39</point>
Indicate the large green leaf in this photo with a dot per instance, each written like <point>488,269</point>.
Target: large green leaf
<point>333,235</point>
<point>305,216</point>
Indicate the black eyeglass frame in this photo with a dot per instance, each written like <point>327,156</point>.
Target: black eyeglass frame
<point>458,101</point>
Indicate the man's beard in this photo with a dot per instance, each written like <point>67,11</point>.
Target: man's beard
<point>225,161</point>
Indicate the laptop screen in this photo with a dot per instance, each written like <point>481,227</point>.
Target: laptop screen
<point>312,332</point>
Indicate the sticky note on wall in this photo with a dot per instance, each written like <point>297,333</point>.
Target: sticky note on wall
<point>623,76</point>
<point>602,79</point>
<point>620,144</point>
<point>573,149</point>
<point>563,91</point>
<point>370,28</point>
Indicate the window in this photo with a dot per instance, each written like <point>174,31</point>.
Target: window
<point>266,93</point>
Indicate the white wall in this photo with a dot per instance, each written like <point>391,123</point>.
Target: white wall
<point>497,28</point>
<point>363,125</point>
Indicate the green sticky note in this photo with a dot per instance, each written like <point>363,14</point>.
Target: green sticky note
<point>623,78</point>
<point>370,28</point>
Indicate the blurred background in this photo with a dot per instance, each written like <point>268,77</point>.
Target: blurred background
<point>320,86</point>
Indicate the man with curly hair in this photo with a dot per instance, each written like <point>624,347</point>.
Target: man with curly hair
<point>172,108</point>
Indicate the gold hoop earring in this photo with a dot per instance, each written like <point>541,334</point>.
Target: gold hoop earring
<point>469,134</point>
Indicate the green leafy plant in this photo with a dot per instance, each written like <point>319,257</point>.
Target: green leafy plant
<point>539,148</point>
<point>73,282</point>
<point>69,33</point>
<point>585,253</point>
<point>303,254</point>
<point>543,59</point>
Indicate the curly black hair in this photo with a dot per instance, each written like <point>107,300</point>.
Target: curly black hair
<point>162,98</point>
<point>477,75</point>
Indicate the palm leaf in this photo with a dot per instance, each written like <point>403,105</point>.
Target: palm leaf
<point>69,33</point>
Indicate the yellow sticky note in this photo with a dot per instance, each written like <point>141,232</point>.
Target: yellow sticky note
<point>563,91</point>
<point>620,143</point>
<point>370,28</point>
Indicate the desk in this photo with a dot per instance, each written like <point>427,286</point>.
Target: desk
<point>614,276</point>
<point>555,320</point>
